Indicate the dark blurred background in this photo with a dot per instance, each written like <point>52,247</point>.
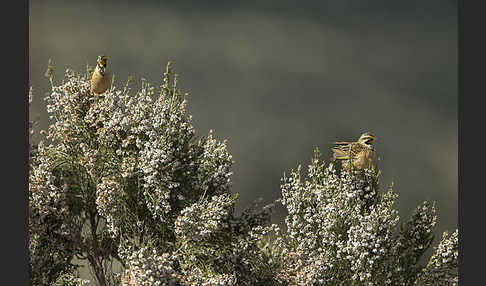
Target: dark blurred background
<point>278,79</point>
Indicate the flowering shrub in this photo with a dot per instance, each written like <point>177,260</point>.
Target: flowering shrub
<point>123,177</point>
<point>342,230</point>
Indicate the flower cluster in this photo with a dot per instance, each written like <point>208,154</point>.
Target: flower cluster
<point>214,167</point>
<point>218,248</point>
<point>442,266</point>
<point>369,241</point>
<point>199,277</point>
<point>109,203</point>
<point>147,268</point>
<point>50,251</point>
<point>32,146</point>
<point>69,279</point>
<point>202,219</point>
<point>418,232</point>
<point>46,195</point>
<point>414,238</point>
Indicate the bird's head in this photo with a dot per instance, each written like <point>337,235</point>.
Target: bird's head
<point>102,61</point>
<point>366,138</point>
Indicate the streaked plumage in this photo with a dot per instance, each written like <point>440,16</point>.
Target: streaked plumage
<point>100,80</point>
<point>361,152</point>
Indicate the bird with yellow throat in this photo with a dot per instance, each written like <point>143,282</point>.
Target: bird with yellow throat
<point>359,154</point>
<point>100,80</point>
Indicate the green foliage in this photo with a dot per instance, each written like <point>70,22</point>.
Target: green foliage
<point>123,177</point>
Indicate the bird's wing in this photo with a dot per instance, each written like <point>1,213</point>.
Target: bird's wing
<point>358,147</point>
<point>340,154</point>
<point>345,145</point>
<point>341,143</point>
<point>342,146</point>
<point>352,149</point>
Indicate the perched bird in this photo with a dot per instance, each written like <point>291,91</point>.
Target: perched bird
<point>100,80</point>
<point>361,152</point>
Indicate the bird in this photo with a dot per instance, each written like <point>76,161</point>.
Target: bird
<point>361,152</point>
<point>100,80</point>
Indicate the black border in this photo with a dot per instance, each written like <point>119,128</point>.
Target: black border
<point>471,80</point>
<point>15,117</point>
